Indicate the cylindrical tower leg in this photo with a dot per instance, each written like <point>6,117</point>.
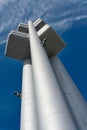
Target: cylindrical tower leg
<point>52,110</point>
<point>28,110</point>
<point>75,101</point>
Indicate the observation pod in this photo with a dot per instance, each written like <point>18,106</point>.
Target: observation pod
<point>18,43</point>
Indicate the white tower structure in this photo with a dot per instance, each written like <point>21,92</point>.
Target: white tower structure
<point>50,99</point>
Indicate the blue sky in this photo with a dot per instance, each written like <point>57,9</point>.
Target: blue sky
<point>69,19</point>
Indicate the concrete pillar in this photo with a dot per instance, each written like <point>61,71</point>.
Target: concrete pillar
<point>71,93</point>
<point>52,110</point>
<point>28,110</point>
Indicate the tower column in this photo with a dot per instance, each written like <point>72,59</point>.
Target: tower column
<point>28,110</point>
<point>73,97</point>
<point>52,110</point>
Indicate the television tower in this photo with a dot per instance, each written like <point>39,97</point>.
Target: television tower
<point>50,99</point>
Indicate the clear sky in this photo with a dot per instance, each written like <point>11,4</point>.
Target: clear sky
<point>69,19</point>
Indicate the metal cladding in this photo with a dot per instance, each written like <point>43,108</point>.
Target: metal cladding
<point>18,44</point>
<point>38,24</point>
